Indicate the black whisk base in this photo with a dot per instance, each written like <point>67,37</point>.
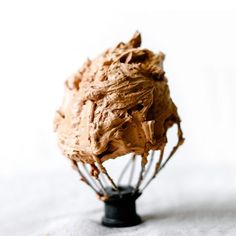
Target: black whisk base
<point>120,208</point>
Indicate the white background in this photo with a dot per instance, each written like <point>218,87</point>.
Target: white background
<point>44,42</point>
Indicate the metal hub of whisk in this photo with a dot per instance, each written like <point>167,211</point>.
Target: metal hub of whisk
<point>119,199</point>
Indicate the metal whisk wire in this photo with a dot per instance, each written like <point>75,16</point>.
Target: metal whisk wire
<point>103,181</point>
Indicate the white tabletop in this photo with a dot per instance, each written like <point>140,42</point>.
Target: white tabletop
<point>183,200</point>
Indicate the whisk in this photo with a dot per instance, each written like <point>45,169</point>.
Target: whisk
<point>119,196</point>
<point>117,104</point>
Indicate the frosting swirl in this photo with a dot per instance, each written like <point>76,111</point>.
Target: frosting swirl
<point>116,104</point>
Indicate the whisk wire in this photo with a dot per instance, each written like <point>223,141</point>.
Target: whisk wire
<point>83,178</point>
<point>91,178</point>
<point>140,178</point>
<point>104,171</point>
<point>132,169</point>
<point>149,164</point>
<point>124,170</point>
<point>157,168</point>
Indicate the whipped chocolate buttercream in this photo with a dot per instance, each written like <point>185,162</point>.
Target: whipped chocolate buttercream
<point>116,104</point>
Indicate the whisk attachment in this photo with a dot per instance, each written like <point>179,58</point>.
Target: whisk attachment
<point>120,209</point>
<point>119,199</point>
<point>117,104</point>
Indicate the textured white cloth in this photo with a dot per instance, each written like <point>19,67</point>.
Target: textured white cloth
<point>185,199</point>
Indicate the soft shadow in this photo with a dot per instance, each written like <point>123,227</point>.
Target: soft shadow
<point>190,212</point>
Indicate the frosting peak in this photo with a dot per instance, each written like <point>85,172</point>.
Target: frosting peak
<point>116,104</point>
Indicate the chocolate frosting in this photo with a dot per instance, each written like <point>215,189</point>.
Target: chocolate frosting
<point>116,104</point>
